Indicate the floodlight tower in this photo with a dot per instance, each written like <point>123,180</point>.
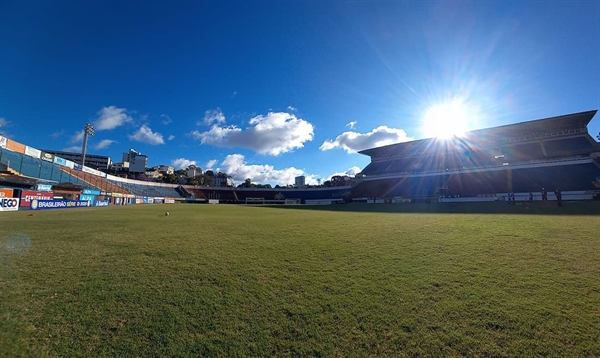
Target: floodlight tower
<point>87,130</point>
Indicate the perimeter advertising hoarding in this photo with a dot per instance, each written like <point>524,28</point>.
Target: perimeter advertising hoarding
<point>27,196</point>
<point>9,204</point>
<point>76,166</point>
<point>69,164</point>
<point>15,146</point>
<point>32,152</point>
<point>139,200</point>
<point>47,157</point>
<point>58,204</point>
<point>102,203</point>
<point>91,192</point>
<point>169,200</point>
<point>43,187</point>
<point>60,161</point>
<point>93,171</point>
<point>89,198</point>
<point>3,141</point>
<point>6,193</point>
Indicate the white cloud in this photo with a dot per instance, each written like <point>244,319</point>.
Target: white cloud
<point>104,143</point>
<point>3,124</point>
<point>213,116</point>
<point>145,135</point>
<point>111,117</point>
<point>233,94</point>
<point>292,109</point>
<point>353,142</point>
<point>171,137</point>
<point>352,171</point>
<point>351,124</point>
<point>73,149</point>
<point>211,163</point>
<point>236,167</point>
<point>77,137</point>
<point>182,163</point>
<point>166,119</point>
<point>273,134</point>
<point>57,135</point>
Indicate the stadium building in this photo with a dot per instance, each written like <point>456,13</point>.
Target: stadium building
<point>94,161</point>
<point>482,165</point>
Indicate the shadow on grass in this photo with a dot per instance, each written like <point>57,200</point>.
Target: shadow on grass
<point>591,208</point>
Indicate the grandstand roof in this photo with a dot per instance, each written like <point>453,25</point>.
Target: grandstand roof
<point>17,180</point>
<point>487,136</point>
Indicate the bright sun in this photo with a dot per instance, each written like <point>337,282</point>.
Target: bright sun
<point>447,119</point>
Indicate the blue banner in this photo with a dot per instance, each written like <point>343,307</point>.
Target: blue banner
<point>77,166</point>
<point>91,192</point>
<point>60,161</point>
<point>102,203</point>
<point>89,198</point>
<point>58,204</point>
<point>43,187</point>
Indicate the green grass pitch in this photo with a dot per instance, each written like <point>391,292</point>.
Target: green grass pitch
<point>228,280</point>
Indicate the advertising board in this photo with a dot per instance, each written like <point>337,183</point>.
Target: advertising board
<point>102,203</point>
<point>69,164</point>
<point>91,192</point>
<point>6,193</point>
<point>3,141</point>
<point>15,146</point>
<point>43,187</point>
<point>169,200</point>
<point>60,161</point>
<point>28,195</point>
<point>58,204</point>
<point>90,198</point>
<point>47,157</point>
<point>9,204</point>
<point>32,152</point>
<point>93,171</point>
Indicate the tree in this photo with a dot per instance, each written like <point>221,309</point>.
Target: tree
<point>208,176</point>
<point>247,183</point>
<point>170,179</point>
<point>341,180</point>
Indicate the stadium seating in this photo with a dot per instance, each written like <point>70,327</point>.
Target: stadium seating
<point>566,177</point>
<point>95,181</point>
<point>568,147</point>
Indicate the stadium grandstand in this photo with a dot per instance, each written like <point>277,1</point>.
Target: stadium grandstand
<point>487,164</point>
<point>481,165</point>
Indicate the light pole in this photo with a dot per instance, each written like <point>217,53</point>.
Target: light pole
<point>87,130</point>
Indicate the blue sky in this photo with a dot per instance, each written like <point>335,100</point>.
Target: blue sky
<point>270,90</point>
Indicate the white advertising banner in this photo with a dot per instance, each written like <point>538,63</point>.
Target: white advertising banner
<point>32,152</point>
<point>9,204</point>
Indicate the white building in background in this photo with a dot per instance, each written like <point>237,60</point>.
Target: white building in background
<point>300,181</point>
<point>165,169</point>
<point>222,181</point>
<point>137,161</point>
<point>193,171</point>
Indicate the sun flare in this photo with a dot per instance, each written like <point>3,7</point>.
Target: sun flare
<point>447,119</point>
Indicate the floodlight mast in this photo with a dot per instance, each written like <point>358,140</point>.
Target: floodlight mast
<point>87,130</point>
